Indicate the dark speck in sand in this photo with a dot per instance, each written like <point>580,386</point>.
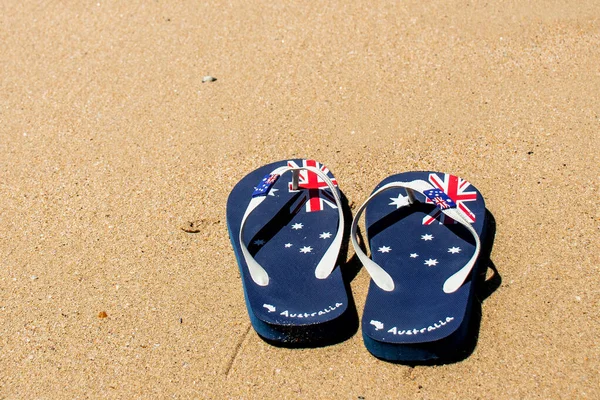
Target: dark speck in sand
<point>191,226</point>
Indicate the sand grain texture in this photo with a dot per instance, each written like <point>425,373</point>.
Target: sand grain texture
<point>111,144</point>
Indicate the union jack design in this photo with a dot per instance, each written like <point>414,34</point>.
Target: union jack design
<point>265,185</point>
<point>439,198</point>
<point>441,203</point>
<point>456,189</point>
<point>317,192</point>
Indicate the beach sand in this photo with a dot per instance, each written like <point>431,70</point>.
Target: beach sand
<point>111,145</point>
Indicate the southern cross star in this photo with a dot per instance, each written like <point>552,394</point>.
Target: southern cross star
<point>306,249</point>
<point>454,250</point>
<point>297,226</point>
<point>384,249</point>
<point>287,245</point>
<point>325,235</point>
<point>414,255</point>
<point>399,201</point>
<point>427,237</point>
<point>259,242</point>
<point>431,262</point>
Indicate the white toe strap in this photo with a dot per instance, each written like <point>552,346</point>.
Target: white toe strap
<point>327,263</point>
<point>447,206</point>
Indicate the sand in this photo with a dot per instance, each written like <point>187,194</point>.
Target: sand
<point>111,145</point>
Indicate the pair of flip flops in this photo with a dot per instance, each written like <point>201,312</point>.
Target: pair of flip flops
<point>424,229</point>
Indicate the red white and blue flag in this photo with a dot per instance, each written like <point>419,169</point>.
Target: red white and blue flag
<point>317,193</point>
<point>265,185</point>
<point>455,188</point>
<point>440,199</point>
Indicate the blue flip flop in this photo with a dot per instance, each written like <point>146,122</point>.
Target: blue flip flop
<point>286,225</point>
<point>425,231</point>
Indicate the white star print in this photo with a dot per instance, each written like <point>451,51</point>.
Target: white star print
<point>325,235</point>
<point>272,192</point>
<point>431,262</point>
<point>454,250</point>
<point>427,237</point>
<point>399,201</point>
<point>306,249</point>
<point>287,245</point>
<point>297,226</point>
<point>259,242</point>
<point>384,249</point>
<point>414,255</point>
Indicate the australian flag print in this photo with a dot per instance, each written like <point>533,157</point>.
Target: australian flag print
<point>265,185</point>
<point>298,225</point>
<point>440,199</point>
<point>418,255</point>
<point>288,234</point>
<point>455,189</point>
<point>315,191</point>
<point>287,240</point>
